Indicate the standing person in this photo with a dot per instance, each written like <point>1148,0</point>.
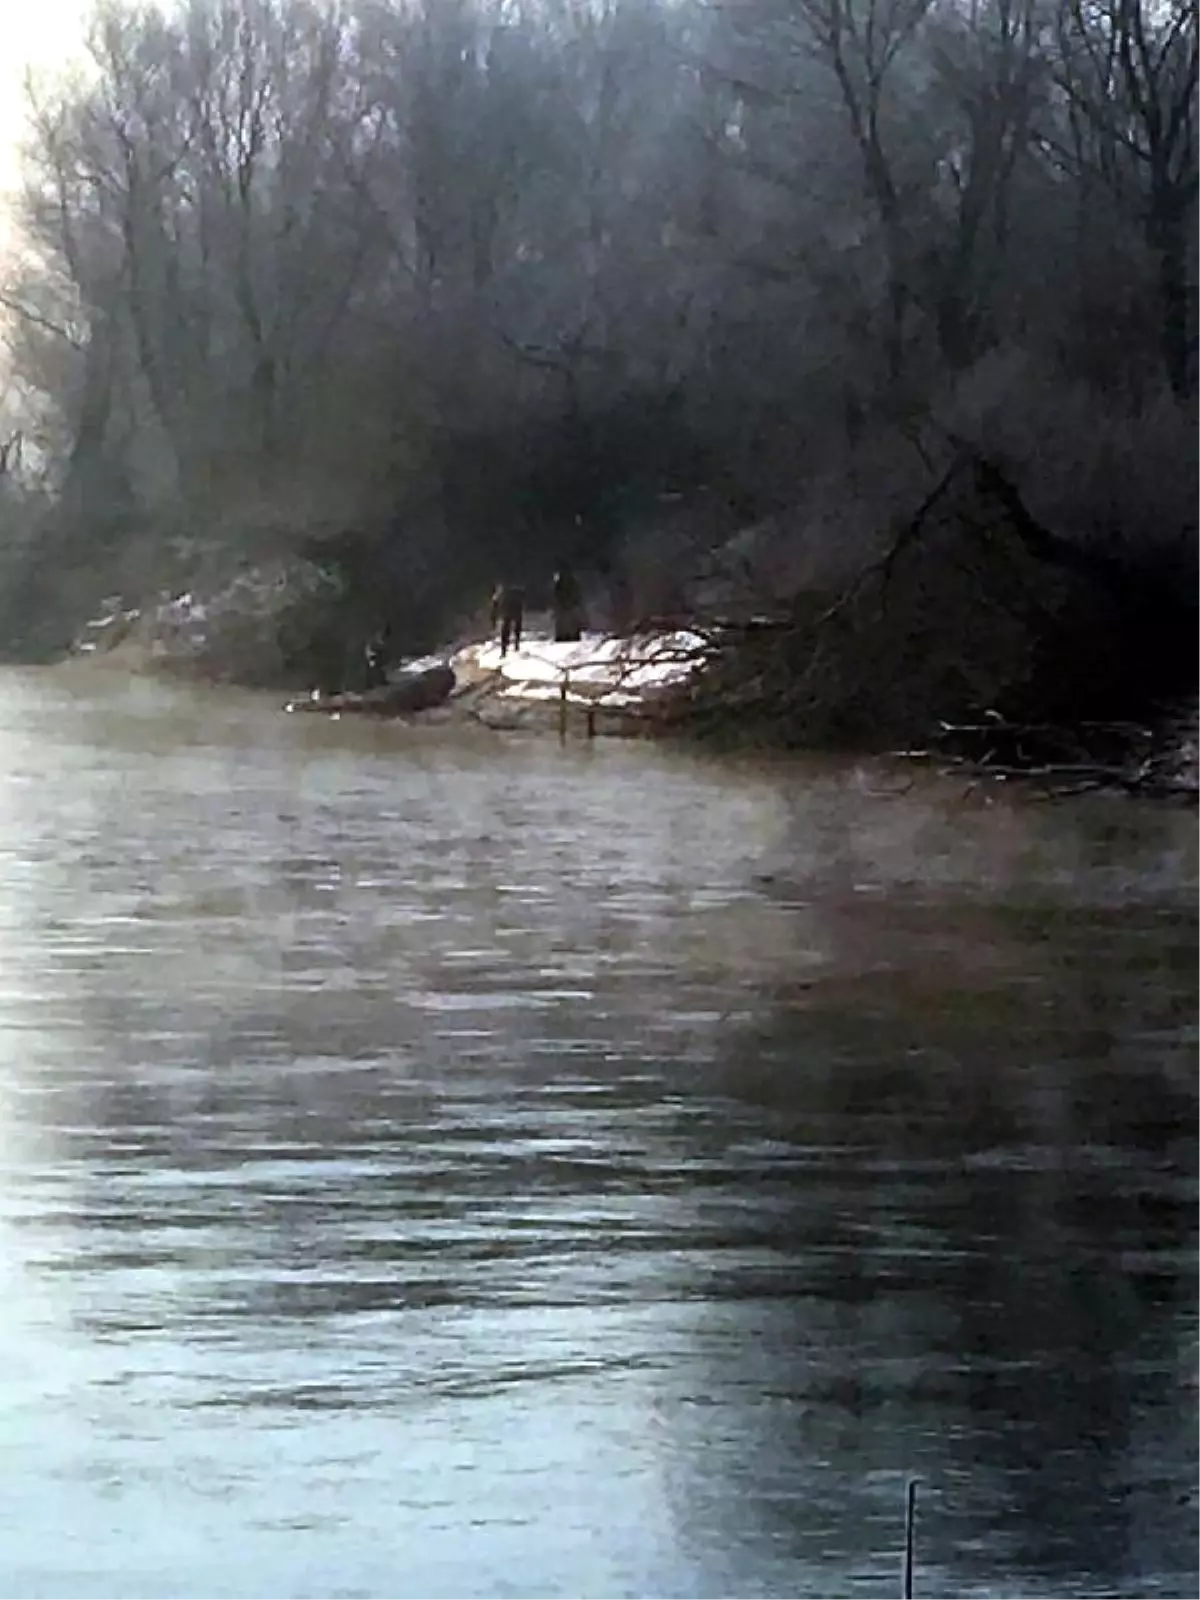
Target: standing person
<point>377,658</point>
<point>508,610</point>
<point>568,607</point>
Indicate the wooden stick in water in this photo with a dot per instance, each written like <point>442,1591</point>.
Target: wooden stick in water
<point>910,1523</point>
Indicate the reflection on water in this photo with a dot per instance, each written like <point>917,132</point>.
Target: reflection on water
<point>447,1165</point>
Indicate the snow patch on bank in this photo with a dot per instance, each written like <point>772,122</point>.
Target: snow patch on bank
<point>597,670</point>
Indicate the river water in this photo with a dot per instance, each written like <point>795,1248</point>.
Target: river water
<point>438,1163</point>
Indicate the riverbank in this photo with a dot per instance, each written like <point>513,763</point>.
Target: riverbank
<point>682,683</point>
<point>594,686</point>
<point>240,634</point>
<point>991,646</point>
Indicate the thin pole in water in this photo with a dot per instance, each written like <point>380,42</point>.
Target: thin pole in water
<point>910,1524</point>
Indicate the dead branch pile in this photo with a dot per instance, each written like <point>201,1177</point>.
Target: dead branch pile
<point>974,616</point>
<point>1152,762</point>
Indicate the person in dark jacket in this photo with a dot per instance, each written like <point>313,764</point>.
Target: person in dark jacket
<point>567,606</point>
<point>377,659</point>
<point>508,613</point>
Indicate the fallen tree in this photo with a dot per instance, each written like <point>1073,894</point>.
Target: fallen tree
<point>974,625</point>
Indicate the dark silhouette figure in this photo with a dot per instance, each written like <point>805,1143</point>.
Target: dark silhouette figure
<point>508,612</point>
<point>568,607</point>
<point>377,658</point>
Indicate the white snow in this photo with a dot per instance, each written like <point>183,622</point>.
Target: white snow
<point>598,670</point>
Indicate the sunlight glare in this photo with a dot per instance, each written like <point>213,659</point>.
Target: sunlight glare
<point>39,34</point>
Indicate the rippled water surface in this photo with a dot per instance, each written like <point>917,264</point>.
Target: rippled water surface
<point>437,1164</point>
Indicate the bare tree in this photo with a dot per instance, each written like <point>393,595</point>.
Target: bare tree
<point>1127,71</point>
<point>988,80</point>
<point>441,279</point>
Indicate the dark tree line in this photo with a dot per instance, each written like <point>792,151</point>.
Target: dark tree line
<point>443,287</point>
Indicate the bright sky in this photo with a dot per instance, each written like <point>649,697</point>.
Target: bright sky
<point>38,33</point>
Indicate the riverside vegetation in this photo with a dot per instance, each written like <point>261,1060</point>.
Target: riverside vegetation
<point>860,332</point>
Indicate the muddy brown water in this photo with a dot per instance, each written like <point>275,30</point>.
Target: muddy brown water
<point>439,1164</point>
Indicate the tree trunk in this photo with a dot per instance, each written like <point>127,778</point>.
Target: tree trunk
<point>1168,239</point>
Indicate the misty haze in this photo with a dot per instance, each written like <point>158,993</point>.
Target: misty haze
<point>598,776</point>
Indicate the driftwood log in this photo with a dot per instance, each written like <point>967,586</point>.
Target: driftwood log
<point>406,693</point>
